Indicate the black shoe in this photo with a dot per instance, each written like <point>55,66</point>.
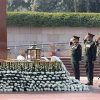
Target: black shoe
<point>89,83</point>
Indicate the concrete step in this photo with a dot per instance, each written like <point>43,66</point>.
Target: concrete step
<point>82,66</point>
<point>70,68</point>
<point>83,73</point>
<point>82,62</point>
<point>68,65</point>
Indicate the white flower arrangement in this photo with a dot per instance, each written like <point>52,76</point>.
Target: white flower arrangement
<point>53,78</point>
<point>41,76</point>
<point>47,72</point>
<point>45,76</point>
<point>72,88</point>
<point>45,79</point>
<point>42,72</point>
<point>56,72</point>
<point>49,78</point>
<point>21,80</point>
<point>52,73</point>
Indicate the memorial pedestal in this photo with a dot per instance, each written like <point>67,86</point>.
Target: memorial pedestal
<point>3,30</point>
<point>36,77</point>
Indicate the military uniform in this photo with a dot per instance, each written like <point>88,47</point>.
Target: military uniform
<point>98,45</point>
<point>89,57</point>
<point>76,52</point>
<point>98,51</point>
<point>99,55</point>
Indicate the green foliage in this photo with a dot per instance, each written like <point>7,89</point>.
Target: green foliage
<point>19,5</point>
<point>54,5</point>
<point>67,5</point>
<point>45,5</point>
<point>38,19</point>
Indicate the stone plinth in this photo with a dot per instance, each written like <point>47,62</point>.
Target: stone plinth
<point>3,33</point>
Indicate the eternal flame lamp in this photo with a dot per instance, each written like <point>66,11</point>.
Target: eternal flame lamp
<point>33,53</point>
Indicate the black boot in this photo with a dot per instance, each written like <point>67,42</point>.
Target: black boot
<point>89,83</point>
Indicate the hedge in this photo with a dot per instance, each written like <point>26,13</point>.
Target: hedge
<point>38,19</point>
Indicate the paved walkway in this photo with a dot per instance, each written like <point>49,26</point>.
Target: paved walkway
<point>93,94</point>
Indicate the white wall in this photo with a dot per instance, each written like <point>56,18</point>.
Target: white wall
<point>25,35</point>
<point>18,36</point>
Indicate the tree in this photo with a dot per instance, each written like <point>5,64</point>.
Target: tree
<point>82,5</point>
<point>54,5</point>
<point>65,6</point>
<point>18,5</point>
<point>94,5</point>
<point>45,5</point>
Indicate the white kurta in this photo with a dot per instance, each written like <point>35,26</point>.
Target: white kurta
<point>20,58</point>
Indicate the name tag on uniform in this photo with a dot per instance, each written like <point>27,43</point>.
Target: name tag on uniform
<point>88,45</point>
<point>75,47</point>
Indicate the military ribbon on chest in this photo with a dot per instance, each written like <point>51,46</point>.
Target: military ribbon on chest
<point>88,45</point>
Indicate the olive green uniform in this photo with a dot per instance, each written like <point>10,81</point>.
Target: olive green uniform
<point>89,57</point>
<point>76,53</point>
<point>98,50</point>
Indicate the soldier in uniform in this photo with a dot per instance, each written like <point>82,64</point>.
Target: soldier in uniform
<point>98,50</point>
<point>89,56</point>
<point>98,45</point>
<point>76,53</point>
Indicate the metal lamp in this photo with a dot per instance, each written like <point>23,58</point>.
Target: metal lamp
<point>33,53</point>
